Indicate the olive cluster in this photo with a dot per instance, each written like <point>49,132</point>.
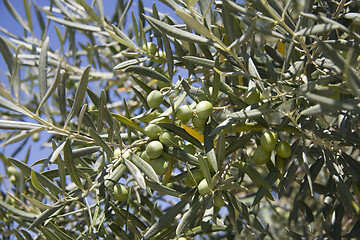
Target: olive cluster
<point>268,143</point>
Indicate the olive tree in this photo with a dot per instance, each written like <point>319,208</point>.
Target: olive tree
<point>215,120</point>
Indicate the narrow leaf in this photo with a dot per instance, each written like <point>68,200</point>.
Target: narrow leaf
<point>145,167</point>
<point>7,55</point>
<point>98,140</point>
<point>136,173</point>
<point>75,25</point>
<point>42,73</point>
<point>189,216</point>
<point>166,219</point>
<point>79,95</point>
<point>70,165</point>
<point>178,33</point>
<point>182,133</point>
<point>148,72</point>
<point>52,89</point>
<point>127,121</point>
<point>45,215</point>
<point>161,189</point>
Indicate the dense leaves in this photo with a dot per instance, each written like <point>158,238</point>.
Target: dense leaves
<point>220,119</point>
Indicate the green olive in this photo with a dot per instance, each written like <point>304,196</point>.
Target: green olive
<point>35,137</point>
<point>203,187</point>
<point>117,152</point>
<point>12,179</point>
<point>189,148</point>
<point>268,141</point>
<point>283,149</point>
<point>167,138</point>
<point>152,131</point>
<point>204,109</point>
<point>252,96</point>
<point>261,156</point>
<point>154,149</point>
<point>198,122</point>
<point>155,98</point>
<point>120,192</point>
<point>198,176</point>
<point>159,165</point>
<point>184,113</point>
<point>150,47</point>
<point>145,156</point>
<point>218,202</point>
<point>11,171</point>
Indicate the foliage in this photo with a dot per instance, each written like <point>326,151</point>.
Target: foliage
<point>289,67</point>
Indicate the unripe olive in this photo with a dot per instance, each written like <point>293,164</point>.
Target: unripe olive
<point>120,192</point>
<point>12,179</point>
<point>159,165</point>
<point>283,149</point>
<point>252,96</point>
<point>167,138</point>
<point>117,152</point>
<point>153,131</point>
<point>184,113</point>
<point>268,141</point>
<point>198,176</point>
<point>35,137</point>
<point>154,149</point>
<point>204,109</point>
<point>189,148</point>
<point>155,98</point>
<point>203,187</point>
<point>11,171</point>
<point>260,156</point>
<point>150,47</point>
<point>160,57</point>
<point>198,122</point>
<point>218,202</point>
<point>145,156</point>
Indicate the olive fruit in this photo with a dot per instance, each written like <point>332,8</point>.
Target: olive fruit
<point>117,152</point>
<point>152,131</point>
<point>159,165</point>
<point>145,156</point>
<point>268,141</point>
<point>204,109</point>
<point>184,113</point>
<point>252,96</point>
<point>198,176</point>
<point>167,138</point>
<point>218,202</point>
<point>150,47</point>
<point>189,148</point>
<point>260,156</point>
<point>35,137</point>
<point>154,149</point>
<point>12,179</point>
<point>120,192</point>
<point>203,187</point>
<point>11,171</point>
<point>155,98</point>
<point>283,149</point>
<point>198,122</point>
